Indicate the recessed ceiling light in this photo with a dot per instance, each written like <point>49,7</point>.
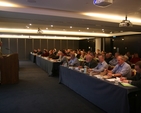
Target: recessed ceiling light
<point>123,39</point>
<point>70,26</point>
<point>79,30</point>
<point>46,28</point>
<point>51,25</point>
<point>111,32</point>
<point>87,28</point>
<point>30,24</point>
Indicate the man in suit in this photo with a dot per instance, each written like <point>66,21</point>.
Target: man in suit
<point>134,97</point>
<point>90,62</point>
<point>135,80</point>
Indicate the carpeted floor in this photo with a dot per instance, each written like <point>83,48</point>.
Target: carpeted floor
<point>38,93</point>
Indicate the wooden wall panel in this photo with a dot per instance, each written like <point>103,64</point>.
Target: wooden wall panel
<point>28,48</point>
<point>43,44</point>
<point>64,44</point>
<point>57,44</point>
<point>50,44</point>
<point>37,44</point>
<point>13,45</point>
<point>21,49</point>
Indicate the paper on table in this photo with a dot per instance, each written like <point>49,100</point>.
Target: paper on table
<point>98,76</point>
<point>111,79</point>
<point>126,84</point>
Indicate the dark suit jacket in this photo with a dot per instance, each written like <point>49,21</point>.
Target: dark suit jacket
<point>91,64</point>
<point>136,80</point>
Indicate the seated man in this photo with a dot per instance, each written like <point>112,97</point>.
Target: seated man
<point>62,58</point>
<point>135,80</point>
<point>108,57</point>
<point>114,61</point>
<point>90,62</point>
<point>73,60</point>
<point>39,52</point>
<point>51,55</point>
<point>121,69</point>
<point>134,97</point>
<point>101,65</point>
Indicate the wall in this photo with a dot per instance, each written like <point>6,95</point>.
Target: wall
<point>130,43</point>
<point>108,44</point>
<point>24,46</point>
<point>85,44</point>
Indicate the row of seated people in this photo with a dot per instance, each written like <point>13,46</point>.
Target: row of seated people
<point>121,65</point>
<point>81,54</point>
<point>99,62</point>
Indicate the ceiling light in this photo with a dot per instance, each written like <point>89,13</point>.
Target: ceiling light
<point>30,24</point>
<point>70,26</point>
<point>8,4</point>
<point>71,33</point>
<point>46,28</point>
<point>79,30</point>
<point>87,28</point>
<point>51,25</point>
<point>122,39</point>
<point>111,32</point>
<point>41,37</point>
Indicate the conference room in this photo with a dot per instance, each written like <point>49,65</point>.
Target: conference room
<point>46,51</point>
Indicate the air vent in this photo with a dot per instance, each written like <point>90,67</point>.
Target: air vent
<point>32,1</point>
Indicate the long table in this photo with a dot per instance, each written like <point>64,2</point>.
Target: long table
<point>32,57</point>
<point>109,97</point>
<point>50,66</point>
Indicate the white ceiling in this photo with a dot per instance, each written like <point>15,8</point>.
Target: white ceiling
<point>65,13</point>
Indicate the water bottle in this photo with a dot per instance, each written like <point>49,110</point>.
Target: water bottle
<point>85,69</point>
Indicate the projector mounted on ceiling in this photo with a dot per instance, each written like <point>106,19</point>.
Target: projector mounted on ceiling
<point>125,23</point>
<point>39,31</point>
<point>102,3</point>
